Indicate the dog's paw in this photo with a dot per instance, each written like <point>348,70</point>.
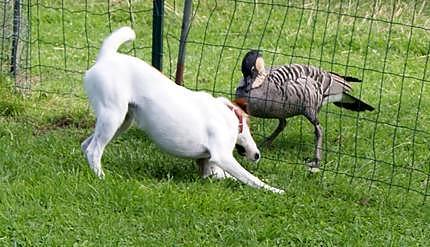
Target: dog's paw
<point>99,172</point>
<point>219,175</point>
<point>275,190</point>
<point>215,172</point>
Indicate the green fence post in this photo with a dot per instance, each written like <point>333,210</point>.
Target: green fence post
<point>157,34</point>
<point>180,66</point>
<point>15,37</point>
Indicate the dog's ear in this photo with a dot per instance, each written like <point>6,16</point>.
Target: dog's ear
<point>242,103</point>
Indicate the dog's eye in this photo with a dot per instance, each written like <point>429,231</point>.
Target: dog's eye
<point>240,150</point>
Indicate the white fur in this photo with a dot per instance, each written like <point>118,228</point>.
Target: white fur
<point>181,122</point>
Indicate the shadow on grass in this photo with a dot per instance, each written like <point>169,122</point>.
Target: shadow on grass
<point>133,155</point>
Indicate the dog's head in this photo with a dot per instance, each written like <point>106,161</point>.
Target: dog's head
<point>252,65</point>
<point>245,144</point>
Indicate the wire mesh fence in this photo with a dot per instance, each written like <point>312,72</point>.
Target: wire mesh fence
<point>14,39</point>
<point>384,43</point>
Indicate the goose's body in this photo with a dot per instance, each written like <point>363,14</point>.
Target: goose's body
<point>289,90</point>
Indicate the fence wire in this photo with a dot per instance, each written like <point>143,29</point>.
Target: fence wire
<point>384,43</point>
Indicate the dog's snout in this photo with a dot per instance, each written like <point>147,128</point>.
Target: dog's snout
<point>257,156</point>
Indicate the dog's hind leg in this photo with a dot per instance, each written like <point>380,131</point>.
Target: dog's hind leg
<point>129,117</point>
<point>231,166</point>
<point>108,122</point>
<point>85,143</point>
<point>128,120</point>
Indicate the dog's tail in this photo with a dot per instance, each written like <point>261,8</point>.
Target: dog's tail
<point>112,43</point>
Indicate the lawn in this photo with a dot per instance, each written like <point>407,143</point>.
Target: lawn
<point>374,187</point>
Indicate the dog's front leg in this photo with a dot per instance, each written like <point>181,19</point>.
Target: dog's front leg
<point>210,169</point>
<point>231,166</point>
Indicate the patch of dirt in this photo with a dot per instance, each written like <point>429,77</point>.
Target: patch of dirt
<point>364,202</point>
<point>64,122</point>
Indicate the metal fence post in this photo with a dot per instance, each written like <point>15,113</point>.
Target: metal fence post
<point>15,37</point>
<point>157,34</point>
<point>184,33</point>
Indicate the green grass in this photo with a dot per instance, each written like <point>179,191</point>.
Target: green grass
<point>376,165</point>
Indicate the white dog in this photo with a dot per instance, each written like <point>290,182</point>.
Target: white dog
<point>181,122</point>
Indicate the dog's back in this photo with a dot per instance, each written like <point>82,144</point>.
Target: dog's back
<point>108,78</point>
